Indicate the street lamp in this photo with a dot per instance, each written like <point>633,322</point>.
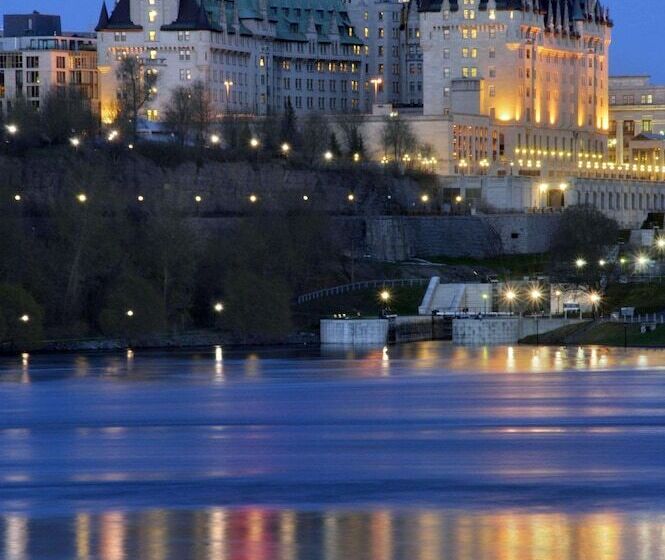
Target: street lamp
<point>215,139</point>
<point>130,313</point>
<point>642,261</point>
<point>218,307</point>
<point>580,264</point>
<point>602,263</point>
<point>286,148</point>
<point>510,296</point>
<point>24,318</point>
<point>424,198</point>
<point>254,143</point>
<point>328,156</point>
<point>535,294</point>
<point>351,197</point>
<point>594,298</point>
<point>253,198</point>
<point>198,199</point>
<point>463,165</point>
<point>75,142</point>
<point>12,129</point>
<point>485,298</point>
<point>17,197</point>
<point>376,82</point>
<point>82,198</point>
<point>228,84</point>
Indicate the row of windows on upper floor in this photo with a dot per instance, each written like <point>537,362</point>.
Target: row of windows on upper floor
<point>301,47</point>
<point>644,99</point>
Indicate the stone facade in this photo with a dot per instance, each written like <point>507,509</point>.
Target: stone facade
<point>254,58</point>
<point>524,82</point>
<point>637,121</point>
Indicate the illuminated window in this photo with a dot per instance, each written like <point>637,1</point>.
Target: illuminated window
<point>152,16</point>
<point>152,114</point>
<point>152,36</point>
<point>153,54</point>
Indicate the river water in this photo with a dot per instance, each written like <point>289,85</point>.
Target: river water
<point>424,451</point>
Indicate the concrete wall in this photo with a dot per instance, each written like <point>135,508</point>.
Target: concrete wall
<point>503,330</point>
<point>354,331</point>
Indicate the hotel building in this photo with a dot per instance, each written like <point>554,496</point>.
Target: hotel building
<point>255,57</point>
<point>523,82</point>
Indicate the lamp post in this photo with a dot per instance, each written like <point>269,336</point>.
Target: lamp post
<point>510,296</point>
<point>485,298</point>
<point>376,82</point>
<point>595,299</point>
<point>228,84</point>
<point>384,296</point>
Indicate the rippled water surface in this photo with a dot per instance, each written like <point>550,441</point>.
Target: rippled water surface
<point>424,451</point>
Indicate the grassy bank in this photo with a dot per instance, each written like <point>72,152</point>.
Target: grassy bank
<point>603,334</point>
<point>404,301</point>
<point>509,265</point>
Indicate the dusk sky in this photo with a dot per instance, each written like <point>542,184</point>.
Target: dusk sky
<point>636,48</point>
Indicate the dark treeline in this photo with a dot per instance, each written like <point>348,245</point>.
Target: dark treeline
<point>76,268</point>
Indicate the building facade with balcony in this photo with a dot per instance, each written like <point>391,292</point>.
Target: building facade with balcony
<point>33,65</point>
<point>256,58</point>
<point>637,121</point>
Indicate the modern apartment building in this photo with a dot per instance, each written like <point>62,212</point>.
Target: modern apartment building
<point>255,57</point>
<point>31,65</point>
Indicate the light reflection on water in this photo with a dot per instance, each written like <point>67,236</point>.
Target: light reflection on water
<point>417,359</point>
<point>263,534</point>
<point>418,452</point>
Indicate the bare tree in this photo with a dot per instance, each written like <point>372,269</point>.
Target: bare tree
<point>179,114</point>
<point>350,125</point>
<point>66,112</point>
<point>316,134</point>
<point>136,84</point>
<point>397,137</point>
<point>202,113</point>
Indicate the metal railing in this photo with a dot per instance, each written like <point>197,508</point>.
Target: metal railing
<point>357,286</point>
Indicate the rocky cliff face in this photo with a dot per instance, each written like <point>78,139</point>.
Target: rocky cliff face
<point>224,188</point>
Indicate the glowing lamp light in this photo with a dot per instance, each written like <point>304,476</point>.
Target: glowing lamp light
<point>642,260</point>
<point>17,197</point>
<point>602,262</point>
<point>424,198</point>
<point>218,307</point>
<point>580,263</point>
<point>215,139</point>
<point>660,243</point>
<point>510,295</point>
<point>351,197</point>
<point>75,142</point>
<point>82,198</point>
<point>253,198</point>
<point>140,198</point>
<point>130,313</point>
<point>254,143</point>
<point>356,157</point>
<point>286,148</point>
<point>24,318</point>
<point>384,295</point>
<point>594,298</point>
<point>328,156</point>
<point>198,198</point>
<point>536,294</point>
<point>458,199</point>
<point>12,129</point>
<point>305,197</point>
